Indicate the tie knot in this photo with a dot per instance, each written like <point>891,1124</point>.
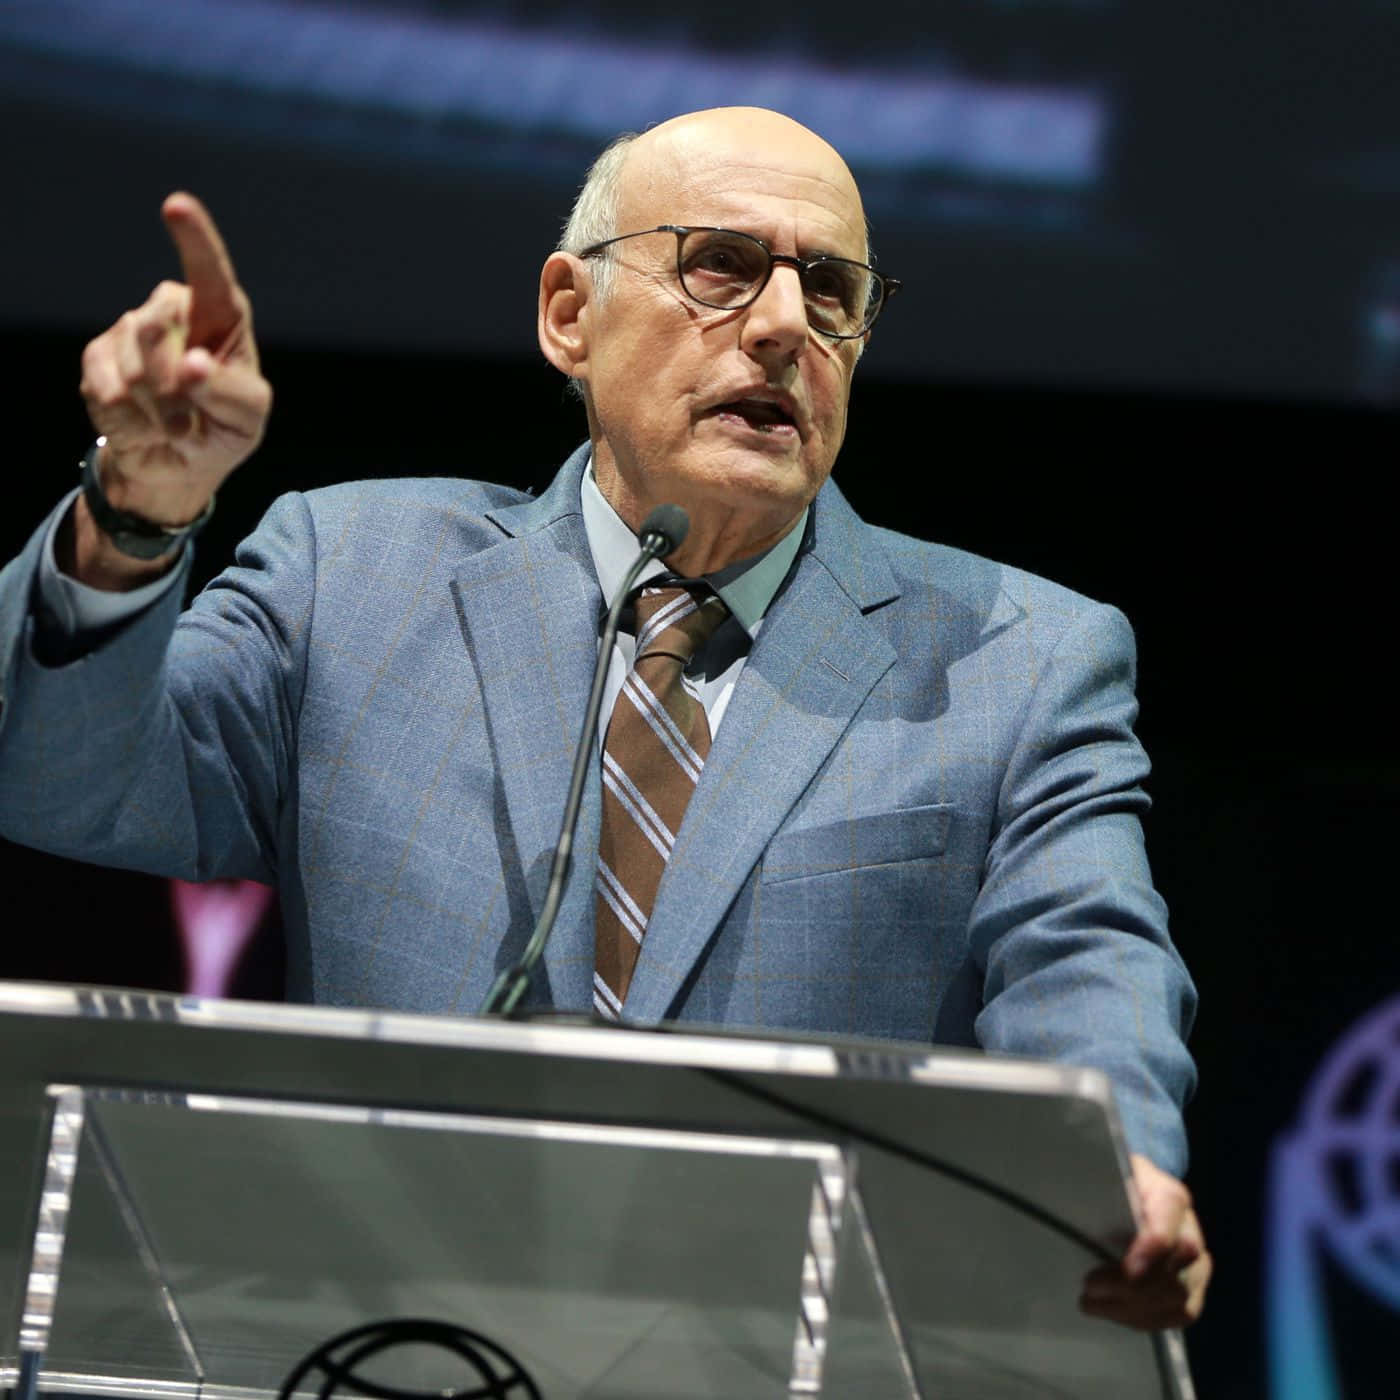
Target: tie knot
<point>676,621</point>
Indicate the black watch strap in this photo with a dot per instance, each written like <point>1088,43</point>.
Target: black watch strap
<point>133,534</point>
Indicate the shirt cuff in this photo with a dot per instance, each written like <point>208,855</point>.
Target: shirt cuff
<point>75,606</point>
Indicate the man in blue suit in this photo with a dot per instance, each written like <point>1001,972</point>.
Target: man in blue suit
<point>920,814</point>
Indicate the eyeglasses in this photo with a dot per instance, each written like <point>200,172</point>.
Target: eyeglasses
<point>728,270</point>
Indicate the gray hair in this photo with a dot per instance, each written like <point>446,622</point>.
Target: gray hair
<point>593,219</point>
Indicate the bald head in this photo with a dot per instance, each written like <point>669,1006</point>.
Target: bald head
<point>733,411</point>
<point>640,168</point>
<point>694,157</point>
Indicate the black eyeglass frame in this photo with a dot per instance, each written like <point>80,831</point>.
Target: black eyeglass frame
<point>888,285</point>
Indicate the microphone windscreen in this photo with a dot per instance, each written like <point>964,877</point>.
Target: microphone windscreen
<point>671,523</point>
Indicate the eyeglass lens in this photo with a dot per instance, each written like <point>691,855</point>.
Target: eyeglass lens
<point>724,269</point>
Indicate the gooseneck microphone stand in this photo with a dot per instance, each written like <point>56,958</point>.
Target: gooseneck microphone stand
<point>663,532</point>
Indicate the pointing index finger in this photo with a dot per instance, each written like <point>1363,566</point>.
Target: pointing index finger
<point>215,308</point>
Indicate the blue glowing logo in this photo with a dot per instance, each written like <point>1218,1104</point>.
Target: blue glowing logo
<point>1335,1185</point>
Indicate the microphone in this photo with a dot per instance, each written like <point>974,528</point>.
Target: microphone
<point>662,533</point>
<point>670,524</point>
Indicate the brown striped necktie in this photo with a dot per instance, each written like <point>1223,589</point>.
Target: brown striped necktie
<point>657,741</point>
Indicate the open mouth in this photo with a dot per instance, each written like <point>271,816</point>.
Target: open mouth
<point>763,415</point>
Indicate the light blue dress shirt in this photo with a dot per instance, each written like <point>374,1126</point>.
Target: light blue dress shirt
<point>748,589</point>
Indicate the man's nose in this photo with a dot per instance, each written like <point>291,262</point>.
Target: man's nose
<point>776,323</point>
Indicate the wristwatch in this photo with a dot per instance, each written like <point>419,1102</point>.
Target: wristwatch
<point>133,534</point>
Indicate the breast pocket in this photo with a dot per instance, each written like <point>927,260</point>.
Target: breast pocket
<point>882,838</point>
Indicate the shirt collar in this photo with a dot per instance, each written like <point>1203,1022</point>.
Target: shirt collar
<point>748,587</point>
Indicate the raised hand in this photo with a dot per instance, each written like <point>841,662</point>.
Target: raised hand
<point>174,386</point>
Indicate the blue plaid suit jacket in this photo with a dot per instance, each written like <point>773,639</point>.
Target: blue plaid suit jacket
<point>920,817</point>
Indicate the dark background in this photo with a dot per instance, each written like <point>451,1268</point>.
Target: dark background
<point>1172,386</point>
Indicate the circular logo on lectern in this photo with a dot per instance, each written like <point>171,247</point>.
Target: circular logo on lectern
<point>488,1370</point>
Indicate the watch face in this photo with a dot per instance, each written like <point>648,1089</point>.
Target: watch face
<point>141,539</point>
<point>143,546</point>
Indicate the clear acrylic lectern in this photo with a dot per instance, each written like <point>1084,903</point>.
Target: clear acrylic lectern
<point>195,1194</point>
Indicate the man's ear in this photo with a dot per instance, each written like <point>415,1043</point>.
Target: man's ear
<point>565,296</point>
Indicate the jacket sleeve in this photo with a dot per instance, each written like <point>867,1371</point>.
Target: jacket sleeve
<point>1071,935</point>
<point>167,746</point>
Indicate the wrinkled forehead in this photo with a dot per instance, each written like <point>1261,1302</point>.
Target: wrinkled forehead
<point>780,182</point>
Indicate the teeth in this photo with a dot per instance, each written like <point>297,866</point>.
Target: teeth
<point>762,415</point>
<point>767,410</point>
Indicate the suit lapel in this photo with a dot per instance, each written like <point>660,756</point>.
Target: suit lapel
<point>529,611</point>
<point>814,662</point>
